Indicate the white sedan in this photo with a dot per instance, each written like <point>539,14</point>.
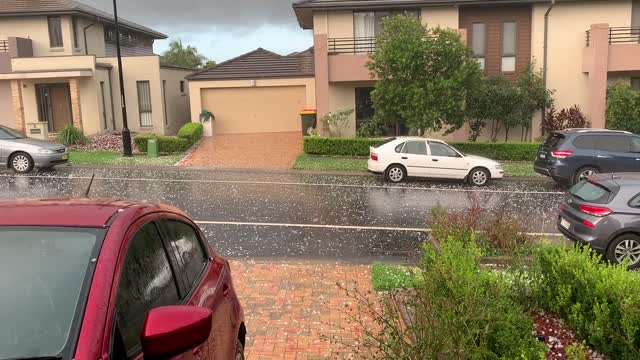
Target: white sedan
<point>400,157</point>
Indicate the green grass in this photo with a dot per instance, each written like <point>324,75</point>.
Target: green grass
<point>388,277</point>
<point>344,163</point>
<point>113,158</point>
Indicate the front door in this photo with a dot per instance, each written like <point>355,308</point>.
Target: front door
<point>54,105</point>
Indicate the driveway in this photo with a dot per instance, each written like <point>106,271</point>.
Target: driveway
<point>247,151</point>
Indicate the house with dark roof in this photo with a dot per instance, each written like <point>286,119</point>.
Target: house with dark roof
<point>258,92</point>
<point>58,67</point>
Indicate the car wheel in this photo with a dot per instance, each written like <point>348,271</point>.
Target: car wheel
<point>395,173</point>
<point>479,177</point>
<point>21,163</point>
<point>584,173</point>
<point>625,247</point>
<point>239,350</point>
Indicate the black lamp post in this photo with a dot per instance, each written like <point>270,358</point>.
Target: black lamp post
<point>126,134</point>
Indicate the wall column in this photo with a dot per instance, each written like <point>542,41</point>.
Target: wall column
<point>76,110</point>
<point>18,106</point>
<point>597,88</point>
<point>321,55</point>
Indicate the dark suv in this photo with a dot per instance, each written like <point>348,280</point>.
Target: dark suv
<point>604,213</point>
<point>570,156</point>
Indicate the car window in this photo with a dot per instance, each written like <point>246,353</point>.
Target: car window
<point>9,134</point>
<point>613,143</point>
<point>189,249</point>
<point>386,141</point>
<point>554,140</point>
<point>146,282</point>
<point>415,147</point>
<point>399,147</point>
<point>634,146</point>
<point>587,191</point>
<point>635,202</point>
<point>585,142</point>
<point>440,149</point>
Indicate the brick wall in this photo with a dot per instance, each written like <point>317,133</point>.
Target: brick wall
<point>18,107</point>
<point>75,103</point>
<point>494,17</point>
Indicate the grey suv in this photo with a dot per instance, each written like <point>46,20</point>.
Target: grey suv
<point>570,156</point>
<point>603,212</point>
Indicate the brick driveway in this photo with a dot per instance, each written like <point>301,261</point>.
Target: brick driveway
<point>291,308</point>
<point>247,151</point>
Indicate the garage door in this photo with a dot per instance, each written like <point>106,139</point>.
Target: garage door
<point>255,110</point>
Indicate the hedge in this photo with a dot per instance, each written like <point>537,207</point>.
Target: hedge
<point>166,144</point>
<point>509,151</point>
<point>191,131</point>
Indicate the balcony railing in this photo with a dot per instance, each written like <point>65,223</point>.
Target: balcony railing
<point>4,46</point>
<point>620,35</point>
<point>363,45</point>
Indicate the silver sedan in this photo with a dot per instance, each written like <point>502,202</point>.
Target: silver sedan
<point>22,154</point>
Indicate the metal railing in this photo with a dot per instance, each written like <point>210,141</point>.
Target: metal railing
<point>620,35</point>
<point>362,45</point>
<point>4,46</point>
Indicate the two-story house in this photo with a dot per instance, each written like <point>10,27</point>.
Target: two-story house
<point>58,66</point>
<point>590,44</point>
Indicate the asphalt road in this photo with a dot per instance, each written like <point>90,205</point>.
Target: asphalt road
<point>294,215</point>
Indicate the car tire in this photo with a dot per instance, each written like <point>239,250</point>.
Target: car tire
<point>239,350</point>
<point>21,163</point>
<point>582,173</point>
<point>395,173</point>
<point>479,177</point>
<point>623,246</point>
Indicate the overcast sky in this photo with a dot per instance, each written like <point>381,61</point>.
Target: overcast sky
<point>220,29</point>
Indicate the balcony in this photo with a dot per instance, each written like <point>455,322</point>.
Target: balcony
<point>611,49</point>
<point>13,48</point>
<point>340,46</point>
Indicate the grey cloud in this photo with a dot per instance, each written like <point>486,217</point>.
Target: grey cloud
<point>199,15</point>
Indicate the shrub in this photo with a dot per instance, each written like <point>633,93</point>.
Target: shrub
<point>571,118</point>
<point>623,108</point>
<point>315,145</point>
<point>70,135</point>
<point>337,121</point>
<point>601,302</point>
<point>192,132</point>
<point>370,128</point>
<point>166,144</point>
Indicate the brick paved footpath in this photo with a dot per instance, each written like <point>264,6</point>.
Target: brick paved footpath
<point>292,308</point>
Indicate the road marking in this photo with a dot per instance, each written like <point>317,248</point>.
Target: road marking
<point>246,182</point>
<point>323,226</point>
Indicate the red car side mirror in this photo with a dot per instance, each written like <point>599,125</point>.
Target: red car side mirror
<point>172,330</point>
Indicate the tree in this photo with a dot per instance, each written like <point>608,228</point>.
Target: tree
<point>188,56</point>
<point>623,108</point>
<point>425,75</point>
<point>533,96</point>
<point>210,64</point>
<point>337,121</point>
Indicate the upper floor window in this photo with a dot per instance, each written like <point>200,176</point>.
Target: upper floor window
<point>55,31</point>
<point>181,86</point>
<point>509,46</point>
<point>635,83</point>
<point>479,42</point>
<point>635,13</point>
<point>369,24</point>
<point>127,38</point>
<point>74,25</point>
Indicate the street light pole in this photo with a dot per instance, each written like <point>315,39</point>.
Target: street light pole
<point>126,134</point>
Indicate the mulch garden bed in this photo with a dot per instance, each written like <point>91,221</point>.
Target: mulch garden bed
<point>106,142</point>
<point>557,336</point>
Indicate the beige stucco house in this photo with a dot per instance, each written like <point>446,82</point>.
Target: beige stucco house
<point>58,66</point>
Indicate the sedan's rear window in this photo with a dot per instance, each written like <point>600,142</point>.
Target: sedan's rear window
<point>384,142</point>
<point>590,192</point>
<point>554,140</point>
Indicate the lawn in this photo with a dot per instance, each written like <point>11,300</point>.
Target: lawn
<point>114,158</point>
<point>341,163</point>
<point>388,277</point>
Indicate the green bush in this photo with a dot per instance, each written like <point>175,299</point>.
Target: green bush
<point>509,151</point>
<point>192,132</point>
<point>623,108</point>
<point>601,302</point>
<point>166,144</point>
<point>70,135</point>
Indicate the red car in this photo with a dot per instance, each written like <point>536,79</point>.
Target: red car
<point>112,280</point>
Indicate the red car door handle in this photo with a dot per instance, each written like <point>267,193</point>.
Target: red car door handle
<point>225,290</point>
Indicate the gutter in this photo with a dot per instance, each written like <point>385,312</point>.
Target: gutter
<point>545,56</point>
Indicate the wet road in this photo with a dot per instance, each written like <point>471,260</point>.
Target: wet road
<point>285,215</point>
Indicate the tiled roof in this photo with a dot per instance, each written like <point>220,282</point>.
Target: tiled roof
<point>64,7</point>
<point>261,64</point>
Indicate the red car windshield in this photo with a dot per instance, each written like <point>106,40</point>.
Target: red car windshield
<point>43,276</point>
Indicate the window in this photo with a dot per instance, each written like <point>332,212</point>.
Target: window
<point>635,83</point>
<point>635,202</point>
<point>634,144</point>
<point>144,103</point>
<point>369,24</point>
<point>415,147</point>
<point>181,86</point>
<point>188,246</point>
<point>635,13</point>
<point>590,192</point>
<point>55,31</point>
<point>585,142</point>
<point>509,46</point>
<point>364,106</point>
<point>146,282</point>
<point>479,42</point>
<point>613,143</point>
<point>440,149</point>
<point>74,25</point>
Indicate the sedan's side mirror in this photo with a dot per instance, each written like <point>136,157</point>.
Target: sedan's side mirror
<point>172,330</point>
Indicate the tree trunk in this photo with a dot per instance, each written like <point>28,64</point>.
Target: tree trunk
<point>506,134</point>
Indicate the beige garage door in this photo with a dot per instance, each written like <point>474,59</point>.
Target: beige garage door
<point>255,110</point>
